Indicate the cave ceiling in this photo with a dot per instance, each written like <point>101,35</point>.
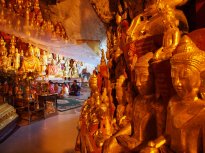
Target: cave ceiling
<point>77,16</point>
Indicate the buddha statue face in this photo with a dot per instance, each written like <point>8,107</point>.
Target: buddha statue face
<point>185,80</point>
<point>186,66</point>
<point>30,51</point>
<point>143,75</point>
<point>144,81</point>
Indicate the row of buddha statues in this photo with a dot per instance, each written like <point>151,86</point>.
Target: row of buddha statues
<point>19,58</point>
<point>25,17</point>
<point>148,96</point>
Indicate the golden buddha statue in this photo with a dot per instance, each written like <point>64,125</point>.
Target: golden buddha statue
<point>93,83</point>
<point>74,70</point>
<point>105,125</point>
<point>17,60</point>
<point>31,63</point>
<point>11,56</point>
<point>4,62</point>
<point>44,62</point>
<point>149,22</point>
<point>67,68</point>
<point>145,122</point>
<point>3,47</point>
<point>171,36</point>
<point>39,19</point>
<point>186,110</point>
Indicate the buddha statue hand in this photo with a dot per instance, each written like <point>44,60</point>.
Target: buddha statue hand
<point>163,54</point>
<point>108,144</point>
<point>155,146</point>
<point>127,141</point>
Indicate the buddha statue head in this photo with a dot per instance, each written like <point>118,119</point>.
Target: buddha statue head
<point>22,53</point>
<point>186,67</point>
<point>30,50</point>
<point>13,40</point>
<point>143,75</point>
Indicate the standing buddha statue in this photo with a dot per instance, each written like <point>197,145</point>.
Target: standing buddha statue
<point>44,62</point>
<point>17,60</point>
<point>11,56</point>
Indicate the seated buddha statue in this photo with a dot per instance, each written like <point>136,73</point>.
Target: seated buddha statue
<point>30,63</point>
<point>186,110</point>
<point>3,58</point>
<point>11,56</point>
<point>52,69</point>
<point>149,22</point>
<point>171,36</point>
<point>146,122</point>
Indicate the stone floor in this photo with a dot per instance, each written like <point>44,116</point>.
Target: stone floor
<point>56,134</point>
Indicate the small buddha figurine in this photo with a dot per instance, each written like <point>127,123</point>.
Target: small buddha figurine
<point>44,62</point>
<point>52,68</point>
<point>105,125</point>
<point>31,63</point>
<point>11,56</point>
<point>171,36</point>
<point>17,60</point>
<point>39,19</point>
<point>67,72</point>
<point>144,125</point>
<point>21,57</point>
<point>74,70</point>
<point>186,110</point>
<point>4,59</point>
<point>93,83</point>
